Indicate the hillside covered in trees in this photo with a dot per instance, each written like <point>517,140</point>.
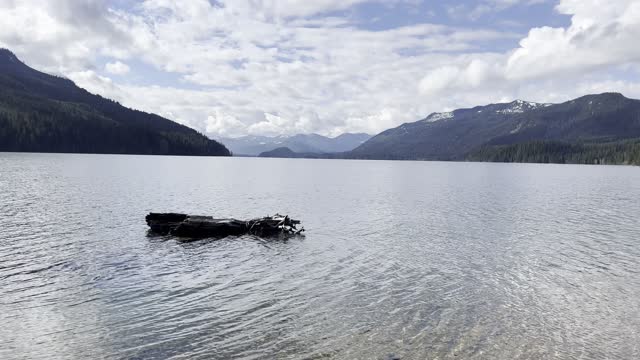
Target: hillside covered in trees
<point>593,129</point>
<point>607,153</point>
<point>45,113</point>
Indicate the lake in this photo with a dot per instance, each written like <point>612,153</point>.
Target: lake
<point>408,260</point>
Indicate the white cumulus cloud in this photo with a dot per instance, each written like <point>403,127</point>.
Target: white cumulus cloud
<point>117,68</point>
<point>551,64</point>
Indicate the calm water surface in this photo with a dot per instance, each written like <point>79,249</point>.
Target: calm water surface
<point>414,260</point>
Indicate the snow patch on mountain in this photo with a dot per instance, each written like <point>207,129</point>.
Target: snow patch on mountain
<point>439,116</point>
<point>518,128</point>
<point>520,106</point>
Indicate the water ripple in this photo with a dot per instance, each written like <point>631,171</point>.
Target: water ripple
<point>403,260</point>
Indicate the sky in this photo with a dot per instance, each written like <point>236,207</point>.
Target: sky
<point>230,68</point>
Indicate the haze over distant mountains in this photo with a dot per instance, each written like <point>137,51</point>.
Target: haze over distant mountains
<point>301,143</point>
<point>45,113</point>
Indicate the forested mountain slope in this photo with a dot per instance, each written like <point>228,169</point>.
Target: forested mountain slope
<point>600,128</point>
<point>45,113</point>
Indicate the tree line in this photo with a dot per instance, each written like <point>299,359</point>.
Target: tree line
<point>625,152</point>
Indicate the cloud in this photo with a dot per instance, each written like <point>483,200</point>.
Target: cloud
<point>471,76</point>
<point>295,8</point>
<point>238,67</point>
<point>239,60</point>
<point>117,68</point>
<point>485,7</point>
<point>61,36</point>
<point>551,64</point>
<point>224,124</point>
<point>599,36</point>
<point>96,83</point>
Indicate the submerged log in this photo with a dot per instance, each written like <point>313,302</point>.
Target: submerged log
<point>196,226</point>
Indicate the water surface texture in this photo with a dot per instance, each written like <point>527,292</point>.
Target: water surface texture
<point>409,260</point>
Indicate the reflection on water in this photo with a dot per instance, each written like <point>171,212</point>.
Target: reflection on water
<point>401,259</point>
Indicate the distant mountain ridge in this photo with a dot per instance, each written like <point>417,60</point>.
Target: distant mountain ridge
<point>499,132</point>
<point>301,143</point>
<point>44,113</point>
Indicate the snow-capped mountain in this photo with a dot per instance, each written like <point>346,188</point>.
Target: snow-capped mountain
<point>457,134</point>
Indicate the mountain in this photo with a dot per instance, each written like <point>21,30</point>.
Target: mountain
<point>281,152</point>
<point>285,152</point>
<point>45,113</point>
<point>301,143</point>
<point>605,125</point>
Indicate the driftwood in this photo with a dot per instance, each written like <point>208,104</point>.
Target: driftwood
<point>195,226</point>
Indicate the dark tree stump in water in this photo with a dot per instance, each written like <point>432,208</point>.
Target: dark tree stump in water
<point>196,226</point>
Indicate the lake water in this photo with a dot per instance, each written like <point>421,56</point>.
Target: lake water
<point>410,260</point>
